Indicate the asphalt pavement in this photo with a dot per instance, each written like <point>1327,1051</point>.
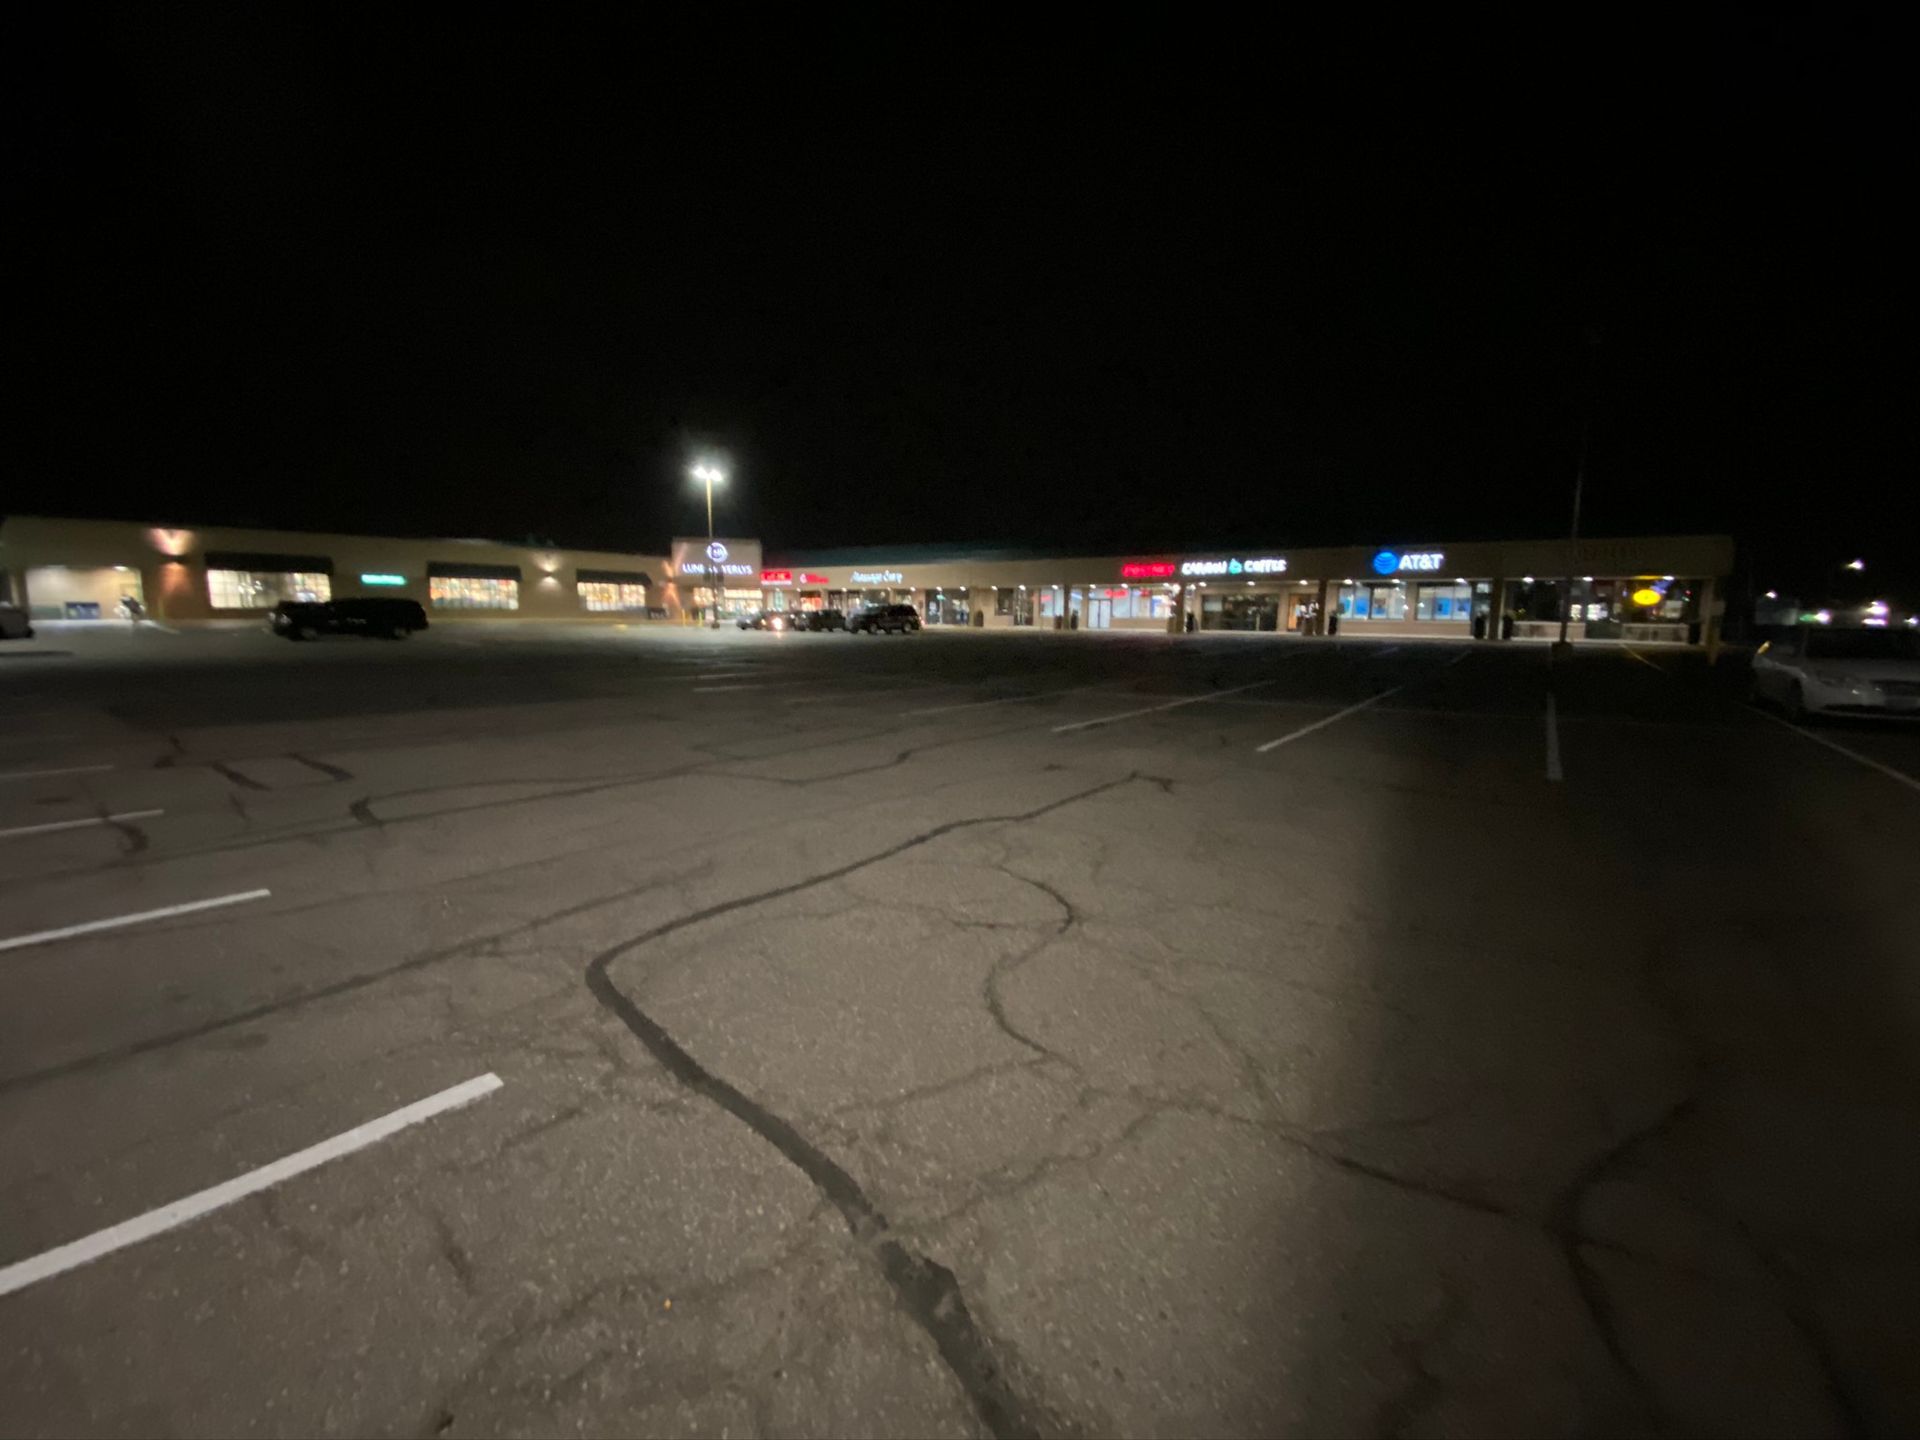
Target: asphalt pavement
<point>544,1030</point>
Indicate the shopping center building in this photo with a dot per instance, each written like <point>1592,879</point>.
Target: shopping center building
<point>1650,588</point>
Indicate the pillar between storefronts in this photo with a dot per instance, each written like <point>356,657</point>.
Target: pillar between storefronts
<point>1709,622</point>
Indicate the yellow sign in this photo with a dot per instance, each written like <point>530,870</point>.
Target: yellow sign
<point>1647,595</point>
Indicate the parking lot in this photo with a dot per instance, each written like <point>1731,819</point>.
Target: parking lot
<point>737,1033</point>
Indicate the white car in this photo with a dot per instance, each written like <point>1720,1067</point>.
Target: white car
<point>1819,671</point>
<point>14,624</point>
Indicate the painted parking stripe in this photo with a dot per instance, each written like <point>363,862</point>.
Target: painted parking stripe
<point>1005,700</point>
<point>170,1217</point>
<point>51,826</point>
<point>42,774</point>
<point>1839,749</point>
<point>44,937</point>
<point>1324,721</point>
<point>1554,772</point>
<point>1155,709</point>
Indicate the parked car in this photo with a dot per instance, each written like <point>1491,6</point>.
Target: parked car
<point>392,619</point>
<point>1814,670</point>
<point>877,619</point>
<point>819,620</point>
<point>14,624</point>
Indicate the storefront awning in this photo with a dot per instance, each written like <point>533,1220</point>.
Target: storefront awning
<point>268,562</point>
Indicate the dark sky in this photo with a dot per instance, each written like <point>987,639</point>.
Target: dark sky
<point>940,275</point>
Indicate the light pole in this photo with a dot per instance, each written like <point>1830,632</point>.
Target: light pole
<point>1579,485</point>
<point>710,476</point>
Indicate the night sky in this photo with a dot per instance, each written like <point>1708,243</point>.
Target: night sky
<point>1118,284</point>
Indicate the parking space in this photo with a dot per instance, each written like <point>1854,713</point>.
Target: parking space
<point>948,1034</point>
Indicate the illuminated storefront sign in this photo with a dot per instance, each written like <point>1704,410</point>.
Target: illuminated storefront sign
<point>776,577</point>
<point>1148,570</point>
<point>876,577</point>
<point>1394,562</point>
<point>699,562</point>
<point>1257,565</point>
<point>383,579</point>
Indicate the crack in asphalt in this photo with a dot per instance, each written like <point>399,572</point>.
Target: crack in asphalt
<point>233,776</point>
<point>924,1288</point>
<point>358,981</point>
<point>332,772</point>
<point>1564,1225</point>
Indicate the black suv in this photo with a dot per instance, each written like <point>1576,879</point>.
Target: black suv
<point>877,619</point>
<point>369,615</point>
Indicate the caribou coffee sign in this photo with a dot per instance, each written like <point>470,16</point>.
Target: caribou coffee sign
<point>1237,565</point>
<point>699,561</point>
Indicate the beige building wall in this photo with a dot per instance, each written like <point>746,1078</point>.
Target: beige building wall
<point>171,565</point>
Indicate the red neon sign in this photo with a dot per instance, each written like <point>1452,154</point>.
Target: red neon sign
<point>776,577</point>
<point>1146,570</point>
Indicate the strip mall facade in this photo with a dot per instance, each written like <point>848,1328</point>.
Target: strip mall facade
<point>1647,588</point>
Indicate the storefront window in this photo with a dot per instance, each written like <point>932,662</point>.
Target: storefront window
<point>451,592</point>
<point>1375,602</point>
<point>1017,604</point>
<point>600,595</point>
<point>264,589</point>
<point>949,607</point>
<point>1443,602</point>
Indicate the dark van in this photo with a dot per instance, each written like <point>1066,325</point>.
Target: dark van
<point>388,619</point>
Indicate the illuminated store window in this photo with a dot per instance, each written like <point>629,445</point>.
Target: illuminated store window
<point>462,592</point>
<point>604,595</point>
<point>264,589</point>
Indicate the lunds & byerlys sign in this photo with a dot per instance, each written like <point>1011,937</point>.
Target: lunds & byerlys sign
<point>697,559</point>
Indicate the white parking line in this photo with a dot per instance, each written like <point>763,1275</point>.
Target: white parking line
<point>1839,749</point>
<point>41,774</point>
<point>1322,724</point>
<point>43,937</point>
<point>1155,709</point>
<point>1553,741</point>
<point>1004,700</point>
<point>79,824</point>
<point>170,1217</point>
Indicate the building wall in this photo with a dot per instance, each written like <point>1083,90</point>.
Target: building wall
<point>172,566</point>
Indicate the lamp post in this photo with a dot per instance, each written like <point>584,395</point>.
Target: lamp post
<point>710,476</point>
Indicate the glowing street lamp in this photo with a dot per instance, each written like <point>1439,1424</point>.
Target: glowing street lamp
<point>710,475</point>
